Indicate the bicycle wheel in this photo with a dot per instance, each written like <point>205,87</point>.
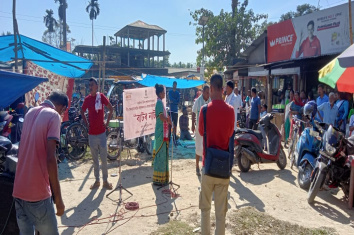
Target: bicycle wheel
<point>76,141</point>
<point>114,145</point>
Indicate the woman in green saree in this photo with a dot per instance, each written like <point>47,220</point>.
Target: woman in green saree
<point>160,152</point>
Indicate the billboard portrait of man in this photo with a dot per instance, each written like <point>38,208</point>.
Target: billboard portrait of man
<point>311,46</point>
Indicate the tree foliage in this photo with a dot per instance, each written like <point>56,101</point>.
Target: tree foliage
<point>226,34</point>
<point>301,10</point>
<point>54,38</point>
<point>93,8</point>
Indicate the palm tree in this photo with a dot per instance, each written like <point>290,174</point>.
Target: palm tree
<point>50,22</point>
<point>93,8</point>
<point>62,17</point>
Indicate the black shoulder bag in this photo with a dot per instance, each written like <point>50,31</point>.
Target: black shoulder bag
<point>218,163</point>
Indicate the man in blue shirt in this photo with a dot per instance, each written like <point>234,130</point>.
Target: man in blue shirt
<point>322,98</point>
<point>255,109</point>
<point>174,96</point>
<point>329,110</point>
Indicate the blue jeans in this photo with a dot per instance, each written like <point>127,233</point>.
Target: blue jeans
<point>36,215</point>
<point>98,146</point>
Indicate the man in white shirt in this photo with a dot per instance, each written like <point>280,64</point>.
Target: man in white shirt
<point>199,102</point>
<point>230,99</point>
<point>238,104</point>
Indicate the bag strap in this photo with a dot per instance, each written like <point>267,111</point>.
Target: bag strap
<point>204,110</point>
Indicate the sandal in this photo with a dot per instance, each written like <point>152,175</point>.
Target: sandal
<point>107,185</point>
<point>95,185</point>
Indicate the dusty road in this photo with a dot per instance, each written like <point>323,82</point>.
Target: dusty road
<point>268,189</point>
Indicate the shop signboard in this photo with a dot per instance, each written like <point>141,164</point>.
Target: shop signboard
<point>320,33</point>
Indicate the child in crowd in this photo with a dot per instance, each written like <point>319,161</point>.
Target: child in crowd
<point>263,110</point>
<point>184,125</point>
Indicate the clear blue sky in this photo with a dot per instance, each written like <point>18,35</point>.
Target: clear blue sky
<point>172,15</point>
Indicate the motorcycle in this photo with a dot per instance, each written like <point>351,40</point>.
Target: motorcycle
<point>306,152</point>
<point>248,146</point>
<point>333,165</point>
<point>8,150</point>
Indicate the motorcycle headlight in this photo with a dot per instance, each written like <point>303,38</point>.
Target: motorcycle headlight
<point>330,149</point>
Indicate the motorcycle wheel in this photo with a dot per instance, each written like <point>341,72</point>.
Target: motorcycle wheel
<point>317,182</point>
<point>113,145</point>
<point>76,141</point>
<point>148,145</point>
<point>243,163</point>
<point>282,160</point>
<point>304,176</point>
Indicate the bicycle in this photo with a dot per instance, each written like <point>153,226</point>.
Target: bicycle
<point>294,139</point>
<point>116,142</point>
<point>73,135</point>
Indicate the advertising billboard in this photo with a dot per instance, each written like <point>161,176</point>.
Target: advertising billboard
<point>320,33</point>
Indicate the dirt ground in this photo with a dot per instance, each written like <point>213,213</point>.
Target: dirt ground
<point>268,189</point>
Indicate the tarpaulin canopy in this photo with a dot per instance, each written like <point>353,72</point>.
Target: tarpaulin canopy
<point>151,80</point>
<point>51,58</point>
<point>15,85</point>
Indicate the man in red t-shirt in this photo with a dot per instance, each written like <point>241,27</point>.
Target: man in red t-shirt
<point>311,46</point>
<point>94,102</point>
<point>219,130</point>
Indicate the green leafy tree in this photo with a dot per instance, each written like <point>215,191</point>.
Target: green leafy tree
<point>54,38</point>
<point>301,10</point>
<point>226,34</point>
<point>50,22</point>
<point>93,8</point>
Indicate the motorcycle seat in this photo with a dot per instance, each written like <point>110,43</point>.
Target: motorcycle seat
<point>5,143</point>
<point>258,134</point>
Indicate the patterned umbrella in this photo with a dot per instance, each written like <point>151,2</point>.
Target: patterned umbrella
<point>346,59</point>
<point>334,75</point>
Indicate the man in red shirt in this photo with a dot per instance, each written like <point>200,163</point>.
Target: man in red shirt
<point>311,46</point>
<point>97,131</point>
<point>219,130</point>
<point>36,177</point>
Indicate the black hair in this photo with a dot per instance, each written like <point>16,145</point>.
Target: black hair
<point>184,108</point>
<point>159,89</point>
<point>254,90</point>
<point>231,84</point>
<point>310,94</point>
<point>297,92</point>
<point>311,23</point>
<point>205,87</point>
<point>93,80</point>
<point>216,81</point>
<point>265,106</point>
<point>59,98</point>
<point>174,82</point>
<point>320,85</point>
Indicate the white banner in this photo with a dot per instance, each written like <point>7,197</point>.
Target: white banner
<point>139,112</point>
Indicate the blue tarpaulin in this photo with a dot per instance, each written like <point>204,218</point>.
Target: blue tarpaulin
<point>15,85</point>
<point>151,80</point>
<point>51,58</point>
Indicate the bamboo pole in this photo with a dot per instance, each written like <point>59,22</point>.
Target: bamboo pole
<point>15,33</point>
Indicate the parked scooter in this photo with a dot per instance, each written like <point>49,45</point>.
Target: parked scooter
<point>307,147</point>
<point>248,146</point>
<point>333,165</point>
